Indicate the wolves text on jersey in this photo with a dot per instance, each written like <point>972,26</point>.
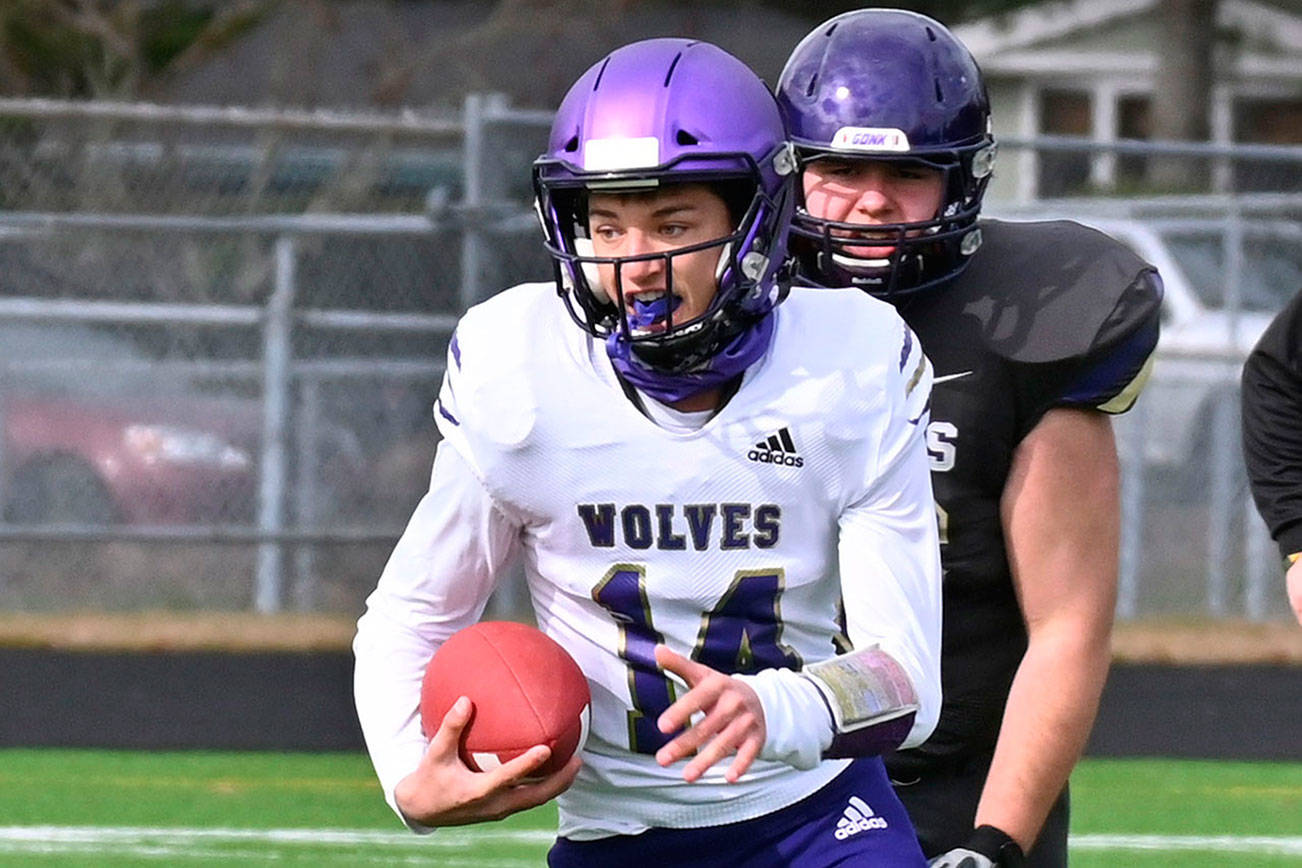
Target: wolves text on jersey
<point>670,527</point>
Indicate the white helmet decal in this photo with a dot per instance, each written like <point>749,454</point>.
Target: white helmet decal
<point>886,139</point>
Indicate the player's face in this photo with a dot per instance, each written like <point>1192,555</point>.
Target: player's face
<point>872,192</point>
<point>634,224</point>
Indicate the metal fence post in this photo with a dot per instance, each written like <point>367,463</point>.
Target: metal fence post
<point>307,493</point>
<point>276,349</point>
<point>1133,427</point>
<point>480,190</point>
<point>472,146</point>
<point>1261,564</point>
<point>1220,506</point>
<point>4,463</point>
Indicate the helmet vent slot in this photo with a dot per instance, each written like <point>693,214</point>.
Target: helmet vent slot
<point>931,34</point>
<point>813,85</point>
<point>683,137</point>
<point>597,81</point>
<point>940,95</point>
<point>672,67</point>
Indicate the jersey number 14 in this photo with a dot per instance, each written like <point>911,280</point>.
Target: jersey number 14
<point>741,634</point>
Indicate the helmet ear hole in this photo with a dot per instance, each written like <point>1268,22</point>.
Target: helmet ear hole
<point>683,137</point>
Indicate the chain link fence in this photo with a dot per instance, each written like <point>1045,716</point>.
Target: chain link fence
<point>222,330</point>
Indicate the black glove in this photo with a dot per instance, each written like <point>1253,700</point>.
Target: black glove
<point>987,847</point>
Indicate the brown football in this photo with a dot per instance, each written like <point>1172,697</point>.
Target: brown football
<point>526,690</point>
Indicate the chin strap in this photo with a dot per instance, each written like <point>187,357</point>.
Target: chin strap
<point>668,387</point>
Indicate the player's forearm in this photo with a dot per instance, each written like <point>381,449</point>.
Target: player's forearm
<point>434,583</point>
<point>858,704</point>
<point>1060,512</point>
<point>389,664</point>
<point>890,584</point>
<point>1047,721</point>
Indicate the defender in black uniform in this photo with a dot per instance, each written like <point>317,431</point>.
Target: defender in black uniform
<point>1272,436</point>
<point>1036,332</point>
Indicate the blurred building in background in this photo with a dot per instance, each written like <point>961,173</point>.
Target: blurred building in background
<point>228,274</point>
<point>1094,69</point>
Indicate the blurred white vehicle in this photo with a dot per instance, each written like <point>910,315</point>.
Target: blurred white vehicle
<point>1224,281</point>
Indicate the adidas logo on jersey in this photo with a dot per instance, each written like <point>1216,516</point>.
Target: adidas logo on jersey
<point>857,817</point>
<point>779,448</point>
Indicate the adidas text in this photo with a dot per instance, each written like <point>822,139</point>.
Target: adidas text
<point>856,818</point>
<point>854,827</point>
<point>777,448</point>
<point>764,456</point>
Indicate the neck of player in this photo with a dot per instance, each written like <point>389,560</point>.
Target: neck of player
<point>707,400</point>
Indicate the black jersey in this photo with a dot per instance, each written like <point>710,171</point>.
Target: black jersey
<point>1047,314</point>
<point>1272,425</point>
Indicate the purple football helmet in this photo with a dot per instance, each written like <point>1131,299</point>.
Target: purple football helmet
<point>886,84</point>
<point>659,112</point>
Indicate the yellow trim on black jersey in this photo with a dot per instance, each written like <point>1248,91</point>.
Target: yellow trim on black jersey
<point>1123,400</point>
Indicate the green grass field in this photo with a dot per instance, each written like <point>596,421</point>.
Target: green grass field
<point>111,808</point>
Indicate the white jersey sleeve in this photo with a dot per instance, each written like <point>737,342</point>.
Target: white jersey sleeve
<point>889,549</point>
<point>436,582</point>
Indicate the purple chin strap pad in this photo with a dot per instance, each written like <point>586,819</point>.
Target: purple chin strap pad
<point>670,387</point>
<point>879,738</point>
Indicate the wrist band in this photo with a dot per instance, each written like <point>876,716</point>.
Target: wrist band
<point>863,688</point>
<point>997,845</point>
<point>871,698</point>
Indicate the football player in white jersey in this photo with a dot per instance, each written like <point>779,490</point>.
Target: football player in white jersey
<point>722,505</point>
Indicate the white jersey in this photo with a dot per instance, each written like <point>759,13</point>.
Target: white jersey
<point>806,499</point>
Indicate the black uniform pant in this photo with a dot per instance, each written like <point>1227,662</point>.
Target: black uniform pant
<point>942,803</point>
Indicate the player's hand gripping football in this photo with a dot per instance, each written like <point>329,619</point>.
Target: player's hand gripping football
<point>443,791</point>
<point>733,724</point>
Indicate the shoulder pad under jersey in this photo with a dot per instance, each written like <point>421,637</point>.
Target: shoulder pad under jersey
<point>1050,291</point>
<point>487,394</point>
<point>871,365</point>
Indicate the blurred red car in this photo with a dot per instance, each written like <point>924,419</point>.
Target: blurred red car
<point>141,461</point>
<point>95,432</point>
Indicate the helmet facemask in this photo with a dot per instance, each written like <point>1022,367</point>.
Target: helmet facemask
<point>652,114</point>
<point>746,288</point>
<point>923,253</point>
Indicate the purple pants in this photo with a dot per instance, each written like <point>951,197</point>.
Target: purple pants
<point>855,819</point>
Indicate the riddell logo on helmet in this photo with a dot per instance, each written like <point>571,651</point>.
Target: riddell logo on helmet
<point>871,139</point>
